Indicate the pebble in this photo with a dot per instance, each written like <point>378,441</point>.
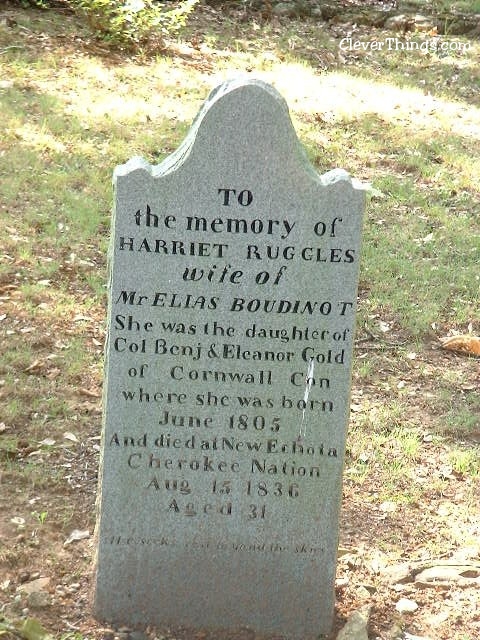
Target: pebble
<point>39,599</point>
<point>404,605</point>
<point>37,584</point>
<point>340,583</point>
<point>362,593</point>
<point>356,626</point>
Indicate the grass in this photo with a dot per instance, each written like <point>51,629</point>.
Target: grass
<point>406,122</point>
<point>69,120</point>
<point>465,461</point>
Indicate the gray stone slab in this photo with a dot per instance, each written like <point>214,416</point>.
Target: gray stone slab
<point>233,279</point>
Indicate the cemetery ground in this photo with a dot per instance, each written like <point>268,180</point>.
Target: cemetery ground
<point>405,121</point>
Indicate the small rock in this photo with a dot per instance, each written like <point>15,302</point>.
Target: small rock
<point>396,632</point>
<point>340,583</point>
<point>362,593</point>
<point>399,573</point>
<point>441,574</point>
<point>284,9</point>
<point>422,23</point>
<point>38,584</point>
<point>329,11</point>
<point>371,588</point>
<point>398,23</point>
<point>39,600</point>
<point>404,605</point>
<point>356,627</point>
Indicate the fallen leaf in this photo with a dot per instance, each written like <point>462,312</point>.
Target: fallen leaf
<point>36,364</point>
<point>88,393</point>
<point>47,442</point>
<point>467,344</point>
<point>31,629</point>
<point>75,536</point>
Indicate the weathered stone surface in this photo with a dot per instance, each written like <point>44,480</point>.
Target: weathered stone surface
<point>39,600</point>
<point>234,270</point>
<point>356,626</point>
<point>39,584</point>
<point>295,9</point>
<point>284,9</point>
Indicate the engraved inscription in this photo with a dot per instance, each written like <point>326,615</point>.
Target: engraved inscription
<point>233,285</point>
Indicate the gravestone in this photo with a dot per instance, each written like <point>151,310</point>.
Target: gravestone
<point>233,278</point>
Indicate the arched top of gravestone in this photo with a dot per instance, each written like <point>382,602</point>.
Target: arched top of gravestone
<point>243,128</point>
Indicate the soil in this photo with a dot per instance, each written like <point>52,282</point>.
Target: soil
<point>48,491</point>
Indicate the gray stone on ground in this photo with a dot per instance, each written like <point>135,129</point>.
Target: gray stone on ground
<point>356,627</point>
<point>39,600</point>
